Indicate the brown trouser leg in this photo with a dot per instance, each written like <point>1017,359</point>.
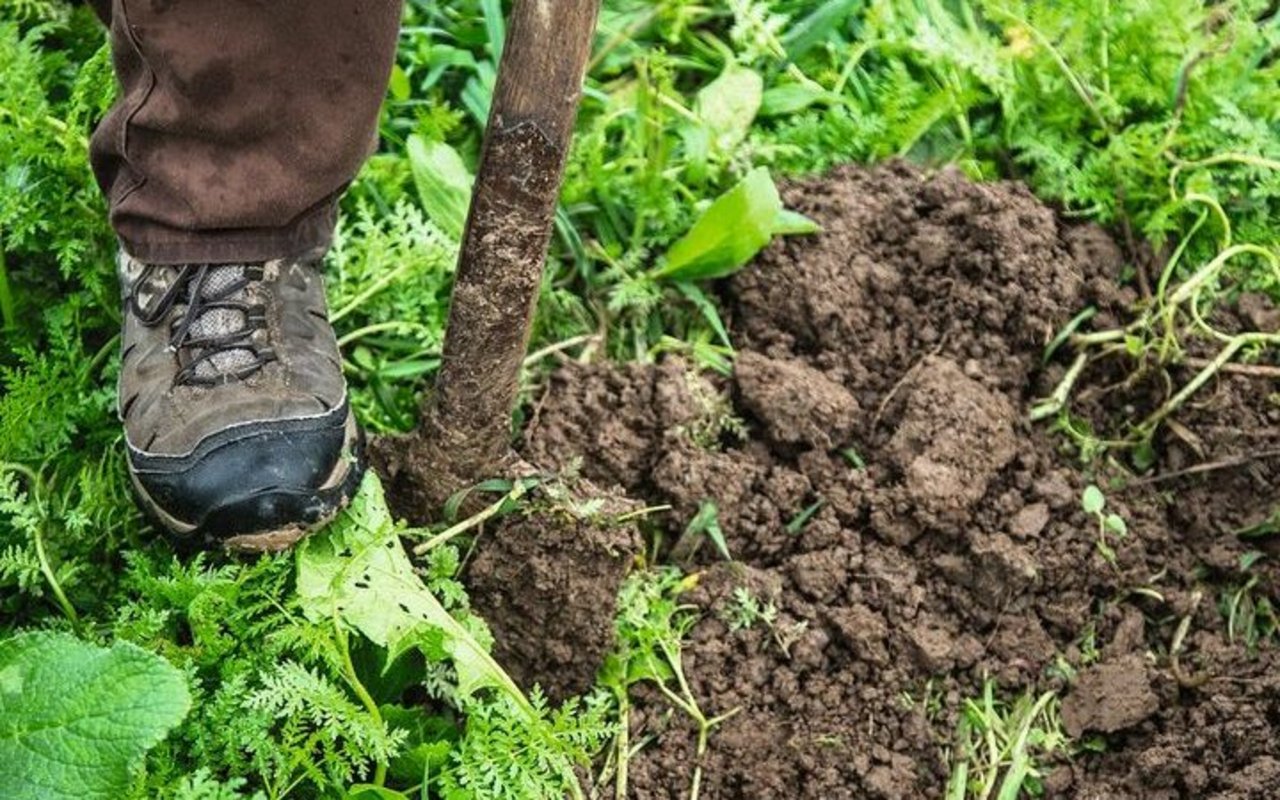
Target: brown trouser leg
<point>239,122</point>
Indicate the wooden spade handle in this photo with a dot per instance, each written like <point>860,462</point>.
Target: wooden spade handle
<point>467,422</point>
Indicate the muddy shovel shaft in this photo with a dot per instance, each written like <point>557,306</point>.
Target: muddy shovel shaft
<point>504,246</point>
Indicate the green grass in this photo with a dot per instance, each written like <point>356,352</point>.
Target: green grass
<point>1247,607</point>
<point>1000,745</point>
<point>1155,117</point>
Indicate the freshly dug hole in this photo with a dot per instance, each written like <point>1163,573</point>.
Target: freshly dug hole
<point>884,372</point>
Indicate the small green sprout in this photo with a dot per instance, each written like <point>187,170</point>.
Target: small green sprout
<point>1093,502</point>
<point>1269,526</point>
<point>1251,618</point>
<point>930,702</point>
<point>798,522</point>
<point>746,611</point>
<point>854,458</point>
<point>704,525</point>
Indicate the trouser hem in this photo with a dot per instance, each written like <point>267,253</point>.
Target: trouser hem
<point>152,244</point>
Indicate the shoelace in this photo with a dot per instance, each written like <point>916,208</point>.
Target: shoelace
<point>204,351</point>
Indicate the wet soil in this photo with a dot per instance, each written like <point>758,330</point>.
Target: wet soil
<point>916,534</point>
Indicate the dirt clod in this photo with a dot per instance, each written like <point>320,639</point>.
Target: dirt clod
<point>1110,697</point>
<point>796,403</point>
<point>547,584</point>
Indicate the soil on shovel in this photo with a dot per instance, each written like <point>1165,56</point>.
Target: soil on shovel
<point>914,531</point>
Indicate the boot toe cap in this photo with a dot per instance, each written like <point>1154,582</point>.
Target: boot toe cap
<point>254,478</point>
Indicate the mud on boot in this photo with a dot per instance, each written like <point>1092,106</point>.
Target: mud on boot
<point>234,406</point>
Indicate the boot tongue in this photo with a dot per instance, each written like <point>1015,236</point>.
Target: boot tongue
<point>218,322</point>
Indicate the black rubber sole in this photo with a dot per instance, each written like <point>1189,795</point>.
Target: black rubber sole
<point>293,512</point>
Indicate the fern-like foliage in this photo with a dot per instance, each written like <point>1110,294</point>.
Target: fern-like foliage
<point>497,758</point>
<point>326,735</point>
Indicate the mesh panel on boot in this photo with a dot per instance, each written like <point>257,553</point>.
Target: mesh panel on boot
<point>222,321</point>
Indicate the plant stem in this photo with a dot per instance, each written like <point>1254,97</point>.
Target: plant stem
<point>37,538</point>
<point>1058,400</point>
<point>551,349</point>
<point>517,491</point>
<point>8,314</point>
<point>353,680</point>
<point>622,745</point>
<point>47,570</point>
<point>686,702</point>
<point>1171,405</point>
<point>379,327</point>
<point>386,279</point>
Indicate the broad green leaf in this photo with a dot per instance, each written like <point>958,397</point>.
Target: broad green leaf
<point>790,98</point>
<point>495,27</point>
<point>811,30</point>
<point>399,84</point>
<point>358,571</point>
<point>428,740</point>
<point>790,222</point>
<point>727,106</point>
<point>76,719</point>
<point>477,93</point>
<point>1092,500</point>
<point>728,234</point>
<point>443,182</point>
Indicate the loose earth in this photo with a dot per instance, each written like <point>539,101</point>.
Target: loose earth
<point>884,372</point>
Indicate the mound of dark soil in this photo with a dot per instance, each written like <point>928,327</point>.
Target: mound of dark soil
<point>884,373</point>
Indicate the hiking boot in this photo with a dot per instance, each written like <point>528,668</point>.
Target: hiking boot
<point>234,406</point>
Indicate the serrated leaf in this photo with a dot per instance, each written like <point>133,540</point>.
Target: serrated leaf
<point>358,570</point>
<point>1092,501</point>
<point>443,183</point>
<point>76,719</point>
